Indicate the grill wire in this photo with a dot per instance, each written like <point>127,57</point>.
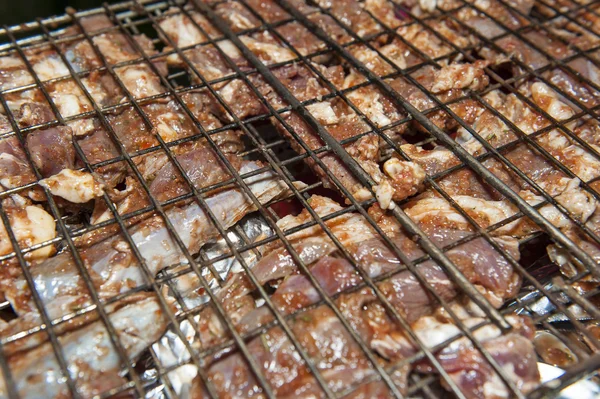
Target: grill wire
<point>131,18</point>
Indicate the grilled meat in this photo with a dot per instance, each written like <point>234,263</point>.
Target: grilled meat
<point>470,48</point>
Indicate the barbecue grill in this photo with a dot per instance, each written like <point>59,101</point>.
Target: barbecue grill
<point>556,303</point>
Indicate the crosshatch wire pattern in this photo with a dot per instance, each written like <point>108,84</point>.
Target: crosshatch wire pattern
<point>132,18</point>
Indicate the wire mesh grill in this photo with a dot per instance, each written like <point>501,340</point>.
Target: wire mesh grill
<point>228,76</point>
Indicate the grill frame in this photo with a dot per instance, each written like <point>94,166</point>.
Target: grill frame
<point>123,24</point>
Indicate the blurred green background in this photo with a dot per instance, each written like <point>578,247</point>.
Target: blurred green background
<point>18,11</point>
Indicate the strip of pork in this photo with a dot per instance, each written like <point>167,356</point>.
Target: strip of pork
<point>15,171</point>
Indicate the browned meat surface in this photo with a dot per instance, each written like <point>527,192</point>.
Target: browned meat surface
<point>449,83</point>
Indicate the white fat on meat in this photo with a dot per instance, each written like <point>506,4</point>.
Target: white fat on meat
<point>579,160</point>
<point>96,89</point>
<point>73,185</point>
<point>372,61</point>
<point>239,20</point>
<point>384,192</point>
<point>433,161</point>
<point>424,40</point>
<point>384,11</point>
<point>140,81</point>
<point>401,179</point>
<point>112,49</point>
<point>229,49</point>
<point>460,76</point>
<point>579,202</point>
<point>50,68</point>
<point>70,102</point>
<point>323,112</point>
<point>408,171</point>
<point>428,5</point>
<point>485,212</point>
<point>15,72</point>
<point>368,101</point>
<point>181,30</point>
<point>228,91</point>
<point>395,54</point>
<point>9,62</point>
<point>268,52</point>
<point>548,99</point>
<point>434,332</point>
<point>469,142</point>
<point>168,125</point>
<point>370,58</point>
<point>31,225</point>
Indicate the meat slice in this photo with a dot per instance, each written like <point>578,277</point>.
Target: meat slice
<point>449,83</point>
<point>385,11</point>
<point>569,266</point>
<point>207,60</point>
<point>351,13</point>
<point>98,147</point>
<point>31,225</point>
<point>427,42</point>
<point>51,149</point>
<point>15,171</point>
<point>300,38</point>
<point>183,31</point>
<point>236,15</point>
<point>34,113</point>
<point>169,184</point>
<point>13,72</point>
<point>73,185</point>
<point>269,10</point>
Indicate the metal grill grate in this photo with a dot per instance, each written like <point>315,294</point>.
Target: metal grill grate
<point>129,19</point>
